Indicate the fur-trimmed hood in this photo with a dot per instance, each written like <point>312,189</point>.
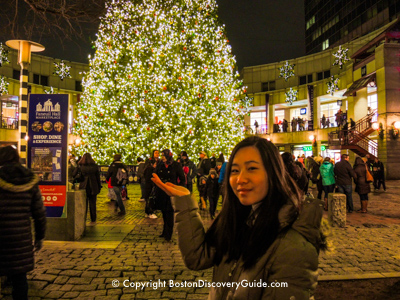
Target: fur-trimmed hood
<point>15,178</point>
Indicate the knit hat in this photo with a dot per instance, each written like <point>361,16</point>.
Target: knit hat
<point>318,159</point>
<point>202,152</point>
<point>183,153</point>
<point>212,171</point>
<point>117,157</point>
<point>8,154</point>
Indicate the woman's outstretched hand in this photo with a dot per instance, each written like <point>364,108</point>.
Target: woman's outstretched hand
<point>170,189</point>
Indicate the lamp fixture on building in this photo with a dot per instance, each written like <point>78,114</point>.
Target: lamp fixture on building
<point>372,83</point>
<point>375,126</point>
<point>395,130</point>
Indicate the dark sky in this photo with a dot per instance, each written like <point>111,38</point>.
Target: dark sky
<point>260,32</point>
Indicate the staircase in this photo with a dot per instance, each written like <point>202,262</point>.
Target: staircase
<point>356,139</point>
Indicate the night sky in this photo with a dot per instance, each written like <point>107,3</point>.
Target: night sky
<point>260,32</point>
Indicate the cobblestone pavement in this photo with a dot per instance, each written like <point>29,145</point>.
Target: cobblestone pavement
<point>128,248</point>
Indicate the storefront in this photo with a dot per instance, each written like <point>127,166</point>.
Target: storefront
<point>9,112</point>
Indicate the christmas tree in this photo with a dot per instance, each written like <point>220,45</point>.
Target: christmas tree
<point>163,76</point>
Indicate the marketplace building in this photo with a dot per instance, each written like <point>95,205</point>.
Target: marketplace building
<point>366,88</point>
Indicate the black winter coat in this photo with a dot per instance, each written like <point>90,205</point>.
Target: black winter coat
<point>212,187</point>
<point>344,172</point>
<point>362,186</point>
<point>113,170</point>
<point>92,182</point>
<point>168,174</point>
<point>203,168</point>
<point>148,174</point>
<point>20,199</point>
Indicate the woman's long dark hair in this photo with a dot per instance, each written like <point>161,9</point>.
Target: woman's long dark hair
<point>87,160</point>
<point>228,234</point>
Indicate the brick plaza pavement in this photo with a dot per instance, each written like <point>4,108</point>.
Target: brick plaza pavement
<point>128,248</point>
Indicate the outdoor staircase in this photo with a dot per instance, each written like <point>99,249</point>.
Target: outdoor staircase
<point>356,139</point>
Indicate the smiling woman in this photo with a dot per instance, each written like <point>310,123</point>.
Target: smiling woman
<point>260,234</point>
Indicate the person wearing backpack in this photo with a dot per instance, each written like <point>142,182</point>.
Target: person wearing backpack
<point>189,169</point>
<point>119,177</point>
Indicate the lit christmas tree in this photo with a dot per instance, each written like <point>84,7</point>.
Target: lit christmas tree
<point>162,76</point>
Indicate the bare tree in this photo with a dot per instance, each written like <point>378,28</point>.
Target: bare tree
<point>57,20</point>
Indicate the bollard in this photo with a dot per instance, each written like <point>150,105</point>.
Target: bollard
<point>337,209</point>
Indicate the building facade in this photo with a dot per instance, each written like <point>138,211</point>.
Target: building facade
<point>368,92</point>
<point>41,79</point>
<point>331,23</point>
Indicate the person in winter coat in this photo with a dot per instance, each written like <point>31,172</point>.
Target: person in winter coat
<point>213,161</point>
<point>170,171</point>
<point>149,185</point>
<point>328,179</point>
<point>117,186</point>
<point>344,172</point>
<point>260,235</point>
<point>203,192</point>
<point>20,199</point>
<point>316,175</point>
<point>362,186</point>
<point>203,167</point>
<point>212,188</point>
<point>91,183</point>
<point>296,171</point>
<point>378,172</point>
<point>140,176</point>
<point>191,169</point>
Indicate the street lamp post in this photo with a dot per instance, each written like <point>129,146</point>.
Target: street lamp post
<point>25,48</point>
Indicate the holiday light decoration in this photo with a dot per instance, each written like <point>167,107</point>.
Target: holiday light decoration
<point>341,57</point>
<point>49,91</point>
<point>286,71</point>
<point>62,70</point>
<point>333,85</point>
<point>291,96</point>
<point>3,55</point>
<point>162,76</point>
<point>3,85</point>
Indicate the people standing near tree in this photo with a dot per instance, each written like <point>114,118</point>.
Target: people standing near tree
<point>192,170</point>
<point>328,179</point>
<point>203,167</point>
<point>344,173</point>
<point>362,186</point>
<point>149,189</point>
<point>140,177</point>
<point>213,161</point>
<point>378,172</point>
<point>20,200</point>
<point>168,170</point>
<point>259,235</point>
<point>212,188</point>
<point>91,183</point>
<point>115,167</point>
<point>294,124</point>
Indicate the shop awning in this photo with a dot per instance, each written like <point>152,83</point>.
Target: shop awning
<point>359,84</point>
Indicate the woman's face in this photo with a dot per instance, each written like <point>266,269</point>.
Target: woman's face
<point>248,178</point>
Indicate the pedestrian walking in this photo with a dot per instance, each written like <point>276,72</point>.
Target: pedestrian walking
<point>212,188</point>
<point>91,183</point>
<point>378,171</point>
<point>20,200</point>
<point>169,171</point>
<point>328,179</point>
<point>115,173</point>
<point>344,173</point>
<point>362,186</point>
<point>259,235</point>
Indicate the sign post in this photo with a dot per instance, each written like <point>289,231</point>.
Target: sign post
<point>48,148</point>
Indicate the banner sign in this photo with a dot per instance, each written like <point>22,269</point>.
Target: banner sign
<point>48,148</point>
<point>310,107</point>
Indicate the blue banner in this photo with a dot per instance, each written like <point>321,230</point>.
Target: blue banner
<point>48,148</point>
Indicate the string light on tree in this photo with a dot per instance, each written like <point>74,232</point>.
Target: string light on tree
<point>287,70</point>
<point>162,76</point>
<point>3,85</point>
<point>341,57</point>
<point>291,96</point>
<point>62,70</point>
<point>3,55</point>
<point>333,85</point>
